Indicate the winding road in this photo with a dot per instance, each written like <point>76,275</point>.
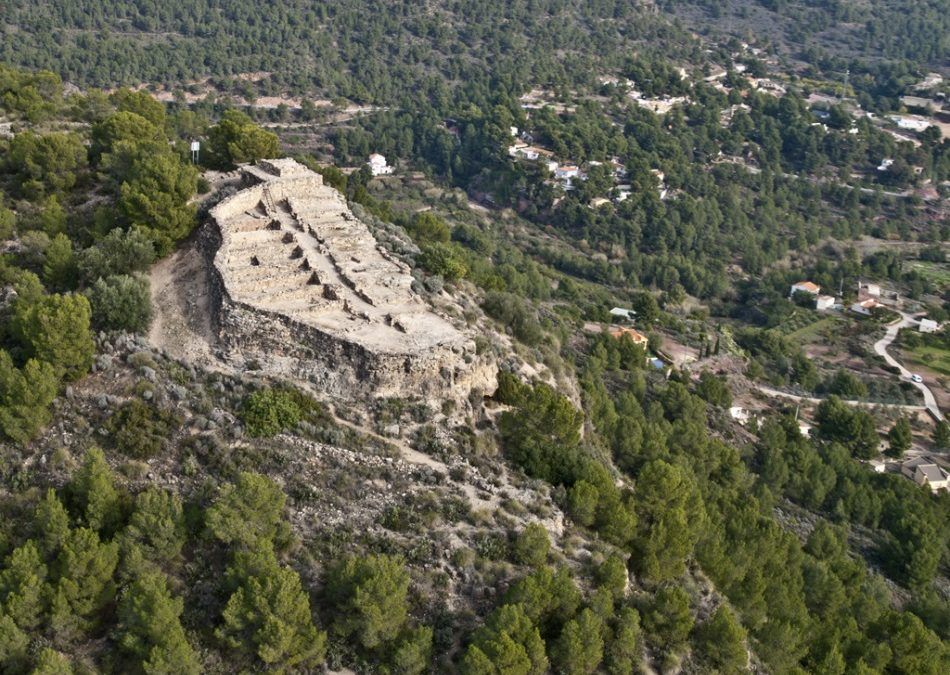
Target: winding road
<point>880,347</point>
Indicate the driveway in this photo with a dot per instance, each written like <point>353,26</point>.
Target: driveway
<point>880,347</point>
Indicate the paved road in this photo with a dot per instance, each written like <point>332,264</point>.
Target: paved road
<point>880,347</point>
<point>769,391</point>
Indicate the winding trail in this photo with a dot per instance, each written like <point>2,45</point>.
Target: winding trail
<point>880,347</point>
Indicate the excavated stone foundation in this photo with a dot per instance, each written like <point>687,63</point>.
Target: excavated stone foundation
<point>303,288</point>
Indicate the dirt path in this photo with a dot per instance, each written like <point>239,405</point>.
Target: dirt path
<point>181,306</point>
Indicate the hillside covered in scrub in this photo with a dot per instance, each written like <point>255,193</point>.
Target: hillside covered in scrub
<point>673,460</point>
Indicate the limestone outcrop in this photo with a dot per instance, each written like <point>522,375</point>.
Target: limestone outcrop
<point>303,288</point>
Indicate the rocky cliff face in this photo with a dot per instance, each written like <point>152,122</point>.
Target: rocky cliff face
<point>302,289</point>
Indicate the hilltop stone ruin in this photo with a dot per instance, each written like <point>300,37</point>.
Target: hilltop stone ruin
<point>300,286</point>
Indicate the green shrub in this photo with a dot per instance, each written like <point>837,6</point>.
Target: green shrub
<point>7,223</point>
<point>141,430</point>
<point>427,227</point>
<point>270,411</point>
<point>121,302</point>
<point>445,260</point>
<point>515,313</point>
<point>119,252</point>
<point>531,546</point>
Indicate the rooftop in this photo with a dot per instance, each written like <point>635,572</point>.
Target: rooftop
<point>635,335</point>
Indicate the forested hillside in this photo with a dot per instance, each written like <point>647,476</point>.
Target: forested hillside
<point>686,466</point>
<point>915,31</point>
<point>379,52</point>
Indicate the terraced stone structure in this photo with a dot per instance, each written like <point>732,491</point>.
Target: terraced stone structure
<point>306,291</point>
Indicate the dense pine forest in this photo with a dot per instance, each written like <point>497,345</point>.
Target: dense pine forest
<point>601,511</point>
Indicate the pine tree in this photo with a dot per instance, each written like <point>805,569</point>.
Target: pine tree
<point>50,524</point>
<point>625,648</point>
<point>668,620</point>
<point>25,397</point>
<point>94,493</point>
<point>268,615</point>
<point>370,595</point>
<point>59,265</point>
<point>157,524</point>
<point>580,647</point>
<point>531,546</point>
<point>150,631</point>
<point>671,516</point>
<point>23,590</point>
<point>13,645</point>
<point>496,656</point>
<point>51,662</point>
<point>249,511</point>
<point>612,575</point>
<point>84,585</point>
<point>509,642</point>
<point>720,641</point>
<point>55,329</point>
<point>545,595</point>
<point>899,438</point>
<point>412,652</point>
<point>942,435</point>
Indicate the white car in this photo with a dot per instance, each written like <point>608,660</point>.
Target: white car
<point>916,378</point>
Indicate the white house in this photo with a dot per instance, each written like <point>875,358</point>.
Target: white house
<point>885,164</point>
<point>823,302</point>
<point>567,171</point>
<point>378,166</point>
<point>911,123</point>
<point>769,86</point>
<point>659,106</point>
<point>874,290</point>
<point>623,313</point>
<point>878,465</point>
<point>522,149</point>
<point>928,326</point>
<point>805,287</point>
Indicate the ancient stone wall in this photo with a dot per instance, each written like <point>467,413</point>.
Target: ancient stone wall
<point>303,290</point>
